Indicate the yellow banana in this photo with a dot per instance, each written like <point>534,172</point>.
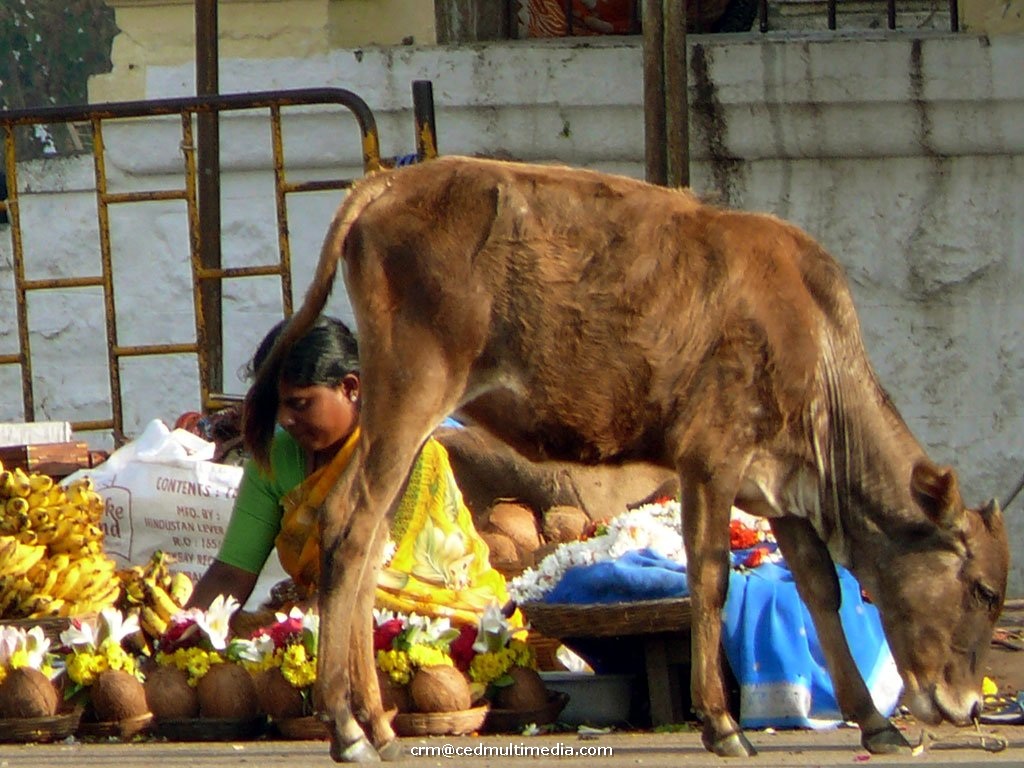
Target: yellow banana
<point>8,546</point>
<point>162,603</point>
<point>23,559</point>
<point>40,482</point>
<point>6,484</point>
<point>16,506</point>
<point>47,579</point>
<point>20,485</point>
<point>42,606</point>
<point>181,588</point>
<point>151,622</point>
<point>108,596</point>
<point>67,585</point>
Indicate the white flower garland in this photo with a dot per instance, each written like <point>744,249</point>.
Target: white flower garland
<point>656,526</point>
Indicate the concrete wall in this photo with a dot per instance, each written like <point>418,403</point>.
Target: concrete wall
<point>901,152</point>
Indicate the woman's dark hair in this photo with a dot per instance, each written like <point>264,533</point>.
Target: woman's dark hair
<point>322,357</point>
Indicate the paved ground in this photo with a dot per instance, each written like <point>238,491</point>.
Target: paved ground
<point>949,747</point>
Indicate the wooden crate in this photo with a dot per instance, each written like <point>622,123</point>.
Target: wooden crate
<point>54,459</point>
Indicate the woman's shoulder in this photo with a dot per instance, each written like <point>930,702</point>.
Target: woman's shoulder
<point>287,463</point>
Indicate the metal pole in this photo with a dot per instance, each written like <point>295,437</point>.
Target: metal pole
<point>209,327</point>
<point>677,128</point>
<point>654,93</point>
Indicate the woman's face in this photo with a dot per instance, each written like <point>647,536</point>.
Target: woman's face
<point>319,417</point>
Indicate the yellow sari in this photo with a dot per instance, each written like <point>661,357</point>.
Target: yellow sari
<point>440,566</point>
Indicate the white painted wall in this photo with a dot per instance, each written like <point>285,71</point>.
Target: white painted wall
<point>901,152</point>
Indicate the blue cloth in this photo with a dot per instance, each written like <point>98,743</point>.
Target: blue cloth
<point>768,635</point>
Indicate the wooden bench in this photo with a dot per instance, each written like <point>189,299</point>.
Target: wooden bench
<point>661,627</point>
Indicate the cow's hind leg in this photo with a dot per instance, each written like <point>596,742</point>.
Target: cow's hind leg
<point>366,699</point>
<point>818,585</point>
<point>705,511</point>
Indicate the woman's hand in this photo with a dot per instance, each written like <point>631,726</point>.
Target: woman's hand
<point>222,579</point>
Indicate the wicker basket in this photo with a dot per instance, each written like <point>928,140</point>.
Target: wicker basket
<point>515,720</point>
<point>309,728</point>
<point>40,729</point>
<point>440,723</point>
<point>643,617</point>
<point>116,729</point>
<point>210,729</point>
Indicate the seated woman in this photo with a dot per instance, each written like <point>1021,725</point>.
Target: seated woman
<point>438,564</point>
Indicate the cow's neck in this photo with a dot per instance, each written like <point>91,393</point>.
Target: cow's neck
<point>865,464</point>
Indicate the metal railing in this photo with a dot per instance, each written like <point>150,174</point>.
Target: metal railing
<point>206,277</point>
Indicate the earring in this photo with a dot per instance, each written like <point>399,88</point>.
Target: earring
<point>353,396</point>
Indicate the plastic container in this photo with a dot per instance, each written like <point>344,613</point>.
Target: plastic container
<point>598,700</point>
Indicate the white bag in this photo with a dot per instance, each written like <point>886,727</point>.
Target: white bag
<point>162,492</point>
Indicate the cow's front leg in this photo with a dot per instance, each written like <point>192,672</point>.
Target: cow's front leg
<point>818,585</point>
<point>706,538</point>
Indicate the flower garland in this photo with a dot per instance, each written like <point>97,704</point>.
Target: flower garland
<point>93,647</point>
<point>654,526</point>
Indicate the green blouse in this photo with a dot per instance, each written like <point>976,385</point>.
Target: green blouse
<point>256,517</point>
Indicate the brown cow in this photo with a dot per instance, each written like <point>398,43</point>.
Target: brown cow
<point>597,318</point>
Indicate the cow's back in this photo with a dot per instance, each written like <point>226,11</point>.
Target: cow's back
<point>619,306</point>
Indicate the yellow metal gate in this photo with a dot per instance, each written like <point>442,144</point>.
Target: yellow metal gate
<point>206,277</point>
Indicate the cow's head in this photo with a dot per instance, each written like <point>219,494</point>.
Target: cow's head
<point>940,595</point>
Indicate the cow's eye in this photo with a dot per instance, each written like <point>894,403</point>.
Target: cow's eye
<point>989,597</point>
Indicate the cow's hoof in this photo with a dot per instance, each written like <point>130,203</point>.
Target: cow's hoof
<point>390,751</point>
<point>359,751</point>
<point>733,744</point>
<point>884,742</point>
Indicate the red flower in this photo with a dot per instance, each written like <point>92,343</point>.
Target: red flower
<point>283,633</point>
<point>740,536</point>
<point>461,649</point>
<point>756,557</point>
<point>183,633</point>
<point>385,634</point>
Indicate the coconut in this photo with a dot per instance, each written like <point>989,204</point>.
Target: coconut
<point>504,556</point>
<point>277,697</point>
<point>527,691</point>
<point>392,695</point>
<point>439,689</point>
<point>227,691</point>
<point>117,695</point>
<point>518,522</point>
<point>168,694</point>
<point>564,523</point>
<point>27,692</point>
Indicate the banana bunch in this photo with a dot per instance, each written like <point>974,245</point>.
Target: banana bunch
<point>52,561</point>
<point>154,593</point>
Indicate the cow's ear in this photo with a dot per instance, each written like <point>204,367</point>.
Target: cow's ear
<point>937,491</point>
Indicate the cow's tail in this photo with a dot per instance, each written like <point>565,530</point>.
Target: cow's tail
<point>260,408</point>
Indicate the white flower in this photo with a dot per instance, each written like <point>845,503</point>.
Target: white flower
<point>215,621</point>
<point>494,630</point>
<point>33,642</point>
<point>81,634</point>
<point>117,626</point>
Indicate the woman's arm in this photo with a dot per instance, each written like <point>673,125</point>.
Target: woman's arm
<point>222,579</point>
